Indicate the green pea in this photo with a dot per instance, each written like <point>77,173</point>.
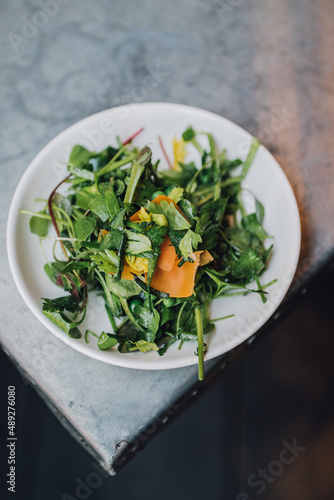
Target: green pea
<point>134,303</point>
<point>106,342</point>
<point>157,193</point>
<point>204,177</point>
<point>146,303</point>
<point>169,302</point>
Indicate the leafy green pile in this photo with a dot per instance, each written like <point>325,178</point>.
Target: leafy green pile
<point>98,239</point>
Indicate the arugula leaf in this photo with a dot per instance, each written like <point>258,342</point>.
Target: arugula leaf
<point>122,288</point>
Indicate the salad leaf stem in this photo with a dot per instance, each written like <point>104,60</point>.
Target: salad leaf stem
<point>55,225</point>
<point>115,165</point>
<point>164,153</point>
<point>130,139</point>
<point>255,143</point>
<point>200,340</point>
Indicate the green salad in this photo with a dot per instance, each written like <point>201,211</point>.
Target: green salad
<point>158,246</point>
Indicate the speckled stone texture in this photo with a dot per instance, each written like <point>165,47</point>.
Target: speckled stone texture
<point>268,66</point>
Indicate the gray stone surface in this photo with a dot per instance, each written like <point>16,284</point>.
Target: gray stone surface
<point>252,62</point>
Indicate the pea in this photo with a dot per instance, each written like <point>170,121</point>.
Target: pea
<point>134,303</point>
<point>106,342</point>
<point>169,302</point>
<point>204,177</point>
<point>146,303</point>
<point>157,193</point>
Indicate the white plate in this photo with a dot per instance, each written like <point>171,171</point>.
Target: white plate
<point>265,179</point>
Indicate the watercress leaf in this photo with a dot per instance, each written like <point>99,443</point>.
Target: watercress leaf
<point>38,225</point>
<point>189,134</point>
<point>118,221</point>
<point>84,196</point>
<point>111,202</point>
<point>53,269</point>
<point>84,227</point>
<point>62,202</point>
<point>79,156</point>
<point>81,172</point>
<point>99,207</point>
<point>122,288</point>
<point>251,223</point>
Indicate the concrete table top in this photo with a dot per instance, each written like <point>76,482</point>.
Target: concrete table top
<point>266,66</point>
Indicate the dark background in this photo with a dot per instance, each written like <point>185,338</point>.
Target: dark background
<point>278,395</point>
